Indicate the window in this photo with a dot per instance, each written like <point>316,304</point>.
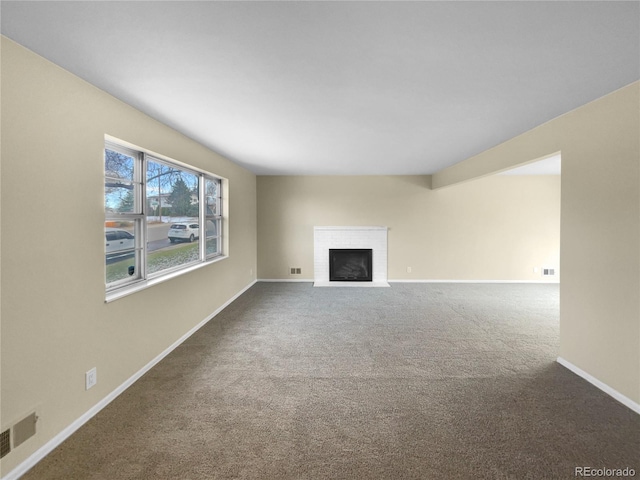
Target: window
<point>161,217</point>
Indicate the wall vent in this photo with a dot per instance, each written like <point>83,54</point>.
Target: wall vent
<point>546,272</point>
<point>5,442</point>
<point>24,429</point>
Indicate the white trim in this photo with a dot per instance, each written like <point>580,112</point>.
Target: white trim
<point>472,281</point>
<point>626,401</point>
<point>351,284</point>
<point>298,280</point>
<point>43,451</point>
<point>354,228</point>
<point>309,280</point>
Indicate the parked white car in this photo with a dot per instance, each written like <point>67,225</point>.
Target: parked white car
<point>118,240</point>
<point>184,232</point>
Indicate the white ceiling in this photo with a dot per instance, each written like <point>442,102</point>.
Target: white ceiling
<point>341,87</point>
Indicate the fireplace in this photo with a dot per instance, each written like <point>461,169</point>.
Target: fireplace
<point>353,238</point>
<point>350,265</point>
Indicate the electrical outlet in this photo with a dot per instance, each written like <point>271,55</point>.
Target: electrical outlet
<point>536,269</point>
<point>251,271</point>
<point>91,378</point>
<point>408,269</point>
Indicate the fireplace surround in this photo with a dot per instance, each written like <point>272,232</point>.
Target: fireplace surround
<point>372,238</point>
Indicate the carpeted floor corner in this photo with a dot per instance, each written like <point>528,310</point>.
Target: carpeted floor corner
<point>416,381</point>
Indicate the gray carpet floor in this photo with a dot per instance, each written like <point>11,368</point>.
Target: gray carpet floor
<point>424,381</point>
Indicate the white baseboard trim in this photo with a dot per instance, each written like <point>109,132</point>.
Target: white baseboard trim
<point>352,284</point>
<point>276,280</point>
<point>288,280</point>
<point>474,281</point>
<point>626,401</point>
<point>43,451</point>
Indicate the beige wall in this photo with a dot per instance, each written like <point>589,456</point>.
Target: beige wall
<point>496,228</point>
<point>600,255</point>
<point>55,324</point>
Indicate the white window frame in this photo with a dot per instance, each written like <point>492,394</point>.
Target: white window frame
<point>141,279</point>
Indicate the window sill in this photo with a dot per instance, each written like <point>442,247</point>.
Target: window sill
<point>144,284</point>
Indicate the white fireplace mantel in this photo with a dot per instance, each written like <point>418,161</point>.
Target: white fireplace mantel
<point>325,238</point>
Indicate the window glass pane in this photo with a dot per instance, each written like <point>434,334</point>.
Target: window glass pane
<point>212,192</point>
<point>213,229</point>
<point>212,212</point>
<point>118,165</point>
<point>120,251</point>
<point>119,197</point>
<point>173,229</point>
<point>119,188</point>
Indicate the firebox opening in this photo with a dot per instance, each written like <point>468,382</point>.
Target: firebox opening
<point>350,265</point>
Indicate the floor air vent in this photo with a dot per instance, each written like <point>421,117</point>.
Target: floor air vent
<point>5,442</point>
